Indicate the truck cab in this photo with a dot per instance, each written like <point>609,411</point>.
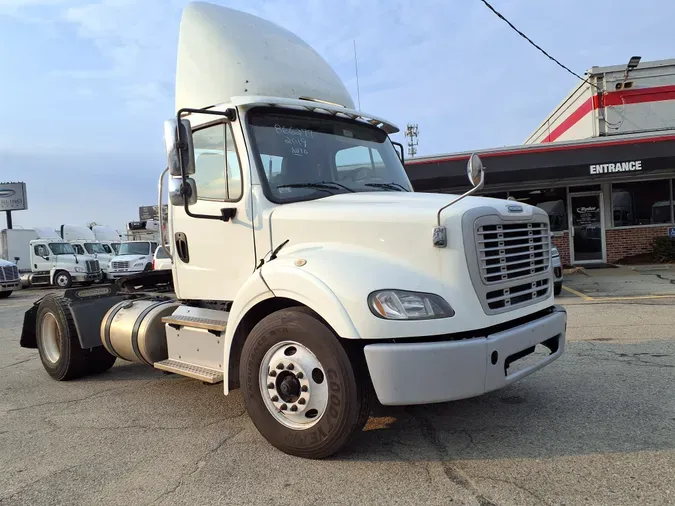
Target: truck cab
<point>305,268</point>
<point>9,278</point>
<point>55,262</point>
<point>133,257</point>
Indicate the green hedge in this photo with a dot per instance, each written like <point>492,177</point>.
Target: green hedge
<point>664,249</point>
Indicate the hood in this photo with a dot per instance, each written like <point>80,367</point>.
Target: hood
<point>129,258</point>
<point>5,263</point>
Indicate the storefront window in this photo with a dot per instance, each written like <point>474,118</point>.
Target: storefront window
<point>551,200</point>
<point>641,203</point>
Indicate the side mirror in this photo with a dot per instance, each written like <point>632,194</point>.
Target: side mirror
<point>475,171</point>
<point>179,146</point>
<point>399,151</point>
<point>177,196</point>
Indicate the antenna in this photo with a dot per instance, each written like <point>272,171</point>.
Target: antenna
<point>412,130</point>
<point>356,66</point>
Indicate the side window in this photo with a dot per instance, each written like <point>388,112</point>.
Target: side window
<point>217,167</point>
<point>153,246</point>
<point>358,162</point>
<point>41,250</point>
<point>78,249</point>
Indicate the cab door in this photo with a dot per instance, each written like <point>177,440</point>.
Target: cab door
<point>43,258</point>
<point>213,258</point>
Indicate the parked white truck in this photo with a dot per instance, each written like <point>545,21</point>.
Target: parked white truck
<point>45,259</point>
<point>133,257</point>
<point>107,236</point>
<point>315,290</point>
<point>10,280</point>
<point>85,243</point>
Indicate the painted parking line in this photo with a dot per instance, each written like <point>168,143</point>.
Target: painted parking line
<point>632,297</point>
<point>576,292</point>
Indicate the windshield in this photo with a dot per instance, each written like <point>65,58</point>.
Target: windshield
<point>94,247</point>
<point>107,248</point>
<point>307,155</point>
<point>61,248</point>
<point>134,248</point>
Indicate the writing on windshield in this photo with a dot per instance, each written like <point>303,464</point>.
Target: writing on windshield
<point>61,248</point>
<point>134,248</point>
<point>307,155</point>
<point>94,247</point>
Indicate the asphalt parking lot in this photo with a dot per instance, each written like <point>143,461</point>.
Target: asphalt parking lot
<point>597,427</point>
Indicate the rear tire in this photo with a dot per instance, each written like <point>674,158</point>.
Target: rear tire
<point>339,394</point>
<point>57,342</point>
<point>99,360</point>
<point>4,295</point>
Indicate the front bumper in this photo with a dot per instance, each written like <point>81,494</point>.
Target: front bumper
<point>122,274</point>
<point>421,373</point>
<point>6,286</point>
<point>84,277</point>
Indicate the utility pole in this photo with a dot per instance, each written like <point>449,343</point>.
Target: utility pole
<point>412,131</point>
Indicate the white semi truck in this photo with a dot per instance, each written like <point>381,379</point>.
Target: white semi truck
<point>85,243</point>
<point>45,259</point>
<point>133,257</point>
<point>108,237</point>
<point>10,280</point>
<point>314,289</point>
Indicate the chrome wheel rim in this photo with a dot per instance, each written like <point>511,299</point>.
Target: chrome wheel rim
<point>293,385</point>
<point>61,280</point>
<point>50,336</point>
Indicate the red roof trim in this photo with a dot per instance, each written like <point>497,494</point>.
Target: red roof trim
<point>548,148</point>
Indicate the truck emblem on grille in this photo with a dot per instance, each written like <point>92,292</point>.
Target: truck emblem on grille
<point>515,209</point>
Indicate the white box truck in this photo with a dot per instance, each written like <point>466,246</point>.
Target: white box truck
<point>45,259</point>
<point>314,289</point>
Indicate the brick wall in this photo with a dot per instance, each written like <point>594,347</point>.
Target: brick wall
<point>631,241</point>
<point>562,242</point>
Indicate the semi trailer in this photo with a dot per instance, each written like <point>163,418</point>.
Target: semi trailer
<point>305,270</point>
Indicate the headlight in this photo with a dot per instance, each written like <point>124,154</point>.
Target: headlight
<point>403,305</point>
<point>79,269</point>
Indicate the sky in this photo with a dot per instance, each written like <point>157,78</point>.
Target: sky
<point>86,84</point>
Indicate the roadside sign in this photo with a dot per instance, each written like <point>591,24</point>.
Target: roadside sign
<point>13,197</point>
<point>151,212</point>
<point>671,232</point>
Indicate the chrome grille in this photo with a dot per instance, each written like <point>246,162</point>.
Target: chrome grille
<point>512,250</point>
<point>120,265</point>
<point>509,258</point>
<point>10,273</point>
<point>92,266</point>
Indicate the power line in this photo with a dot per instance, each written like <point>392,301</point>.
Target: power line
<point>499,15</point>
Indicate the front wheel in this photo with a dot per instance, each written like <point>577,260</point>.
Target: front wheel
<point>301,390</point>
<point>4,295</point>
<point>62,279</point>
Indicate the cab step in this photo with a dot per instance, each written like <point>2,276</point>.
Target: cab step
<point>196,322</point>
<point>199,372</point>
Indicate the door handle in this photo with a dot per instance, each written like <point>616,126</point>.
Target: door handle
<point>182,247</point>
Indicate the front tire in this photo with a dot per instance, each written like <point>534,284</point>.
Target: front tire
<point>62,279</point>
<point>301,390</point>
<point>4,295</point>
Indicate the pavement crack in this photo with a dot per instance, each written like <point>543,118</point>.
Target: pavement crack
<point>66,401</point>
<point>201,462</point>
<point>17,363</point>
<point>29,484</point>
<point>518,486</point>
<point>663,278</point>
<point>453,473</point>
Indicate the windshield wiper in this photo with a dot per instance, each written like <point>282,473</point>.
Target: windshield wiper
<point>326,186</point>
<point>389,186</point>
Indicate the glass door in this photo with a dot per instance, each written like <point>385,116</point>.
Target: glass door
<point>588,233</point>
